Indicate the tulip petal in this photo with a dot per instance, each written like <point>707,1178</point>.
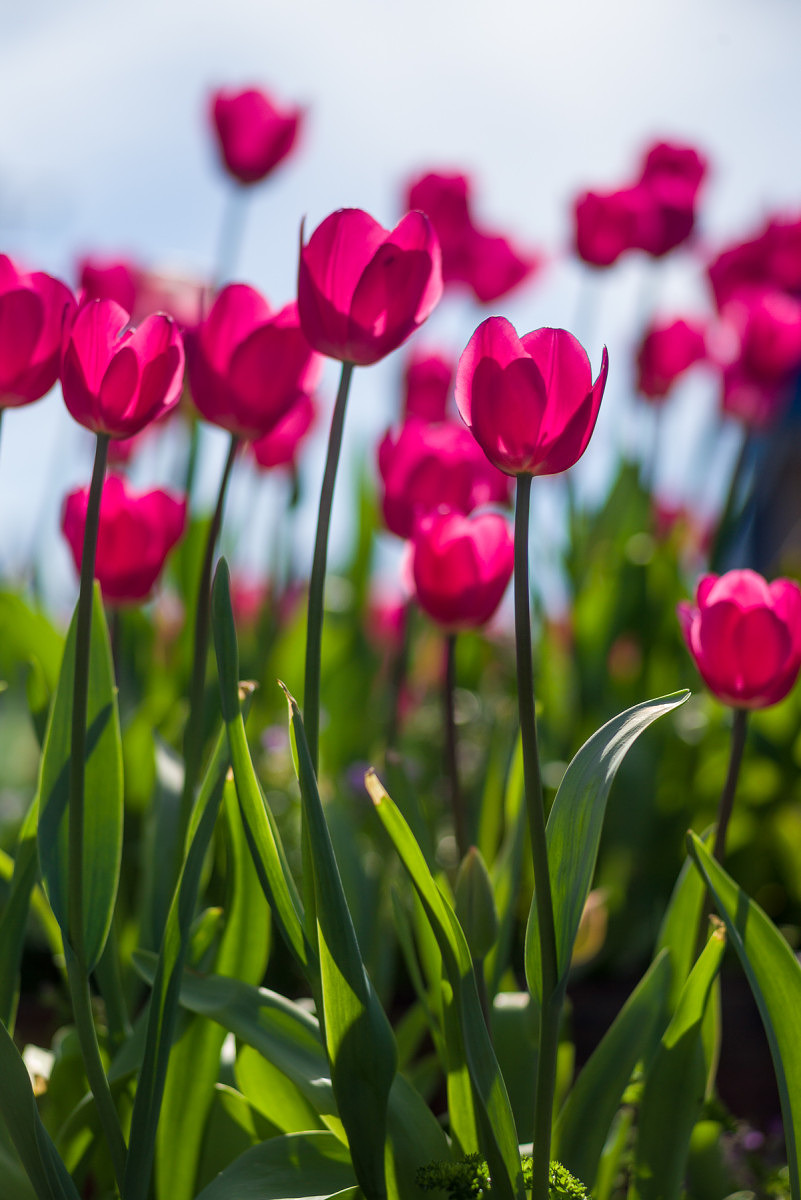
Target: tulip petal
<point>495,338</point>
<point>338,252</point>
<point>761,646</point>
<point>95,333</point>
<point>508,406</point>
<point>565,367</point>
<point>21,322</point>
<point>236,312</point>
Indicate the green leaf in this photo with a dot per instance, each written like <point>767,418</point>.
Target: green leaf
<point>587,1115</point>
<point>261,830</point>
<point>359,1039</point>
<point>103,790</point>
<point>166,984</point>
<point>674,1088</point>
<point>774,974</point>
<point>194,1064</point>
<point>25,635</point>
<point>289,1038</point>
<point>495,1122</point>
<point>297,1166</point>
<point>272,1092</point>
<point>574,829</point>
<point>14,917</point>
<point>32,1142</point>
<point>678,933</point>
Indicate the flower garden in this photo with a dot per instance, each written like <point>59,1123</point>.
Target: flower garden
<point>348,881</point>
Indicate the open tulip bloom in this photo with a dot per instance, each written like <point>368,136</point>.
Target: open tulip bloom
<point>363,289</point>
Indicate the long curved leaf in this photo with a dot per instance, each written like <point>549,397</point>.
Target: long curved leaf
<point>587,1114</point>
<point>297,1166</point>
<point>495,1121</point>
<point>774,974</point>
<point>103,789</point>
<point>675,1085</point>
<point>574,829</point>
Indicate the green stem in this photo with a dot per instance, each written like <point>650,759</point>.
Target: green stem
<point>232,229</point>
<point>535,808</point>
<point>314,628</point>
<point>738,732</point>
<point>193,735</point>
<point>74,945</point>
<point>80,701</point>
<point>451,759</point>
<point>95,1072</point>
<point>109,979</point>
<point>725,805</point>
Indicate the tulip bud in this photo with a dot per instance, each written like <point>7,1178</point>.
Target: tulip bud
<point>475,904</point>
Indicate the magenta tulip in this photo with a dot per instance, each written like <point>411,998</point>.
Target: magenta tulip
<point>281,446</point>
<point>745,636</point>
<point>249,365</point>
<point>136,533</point>
<point>529,402</point>
<point>667,350</point>
<point>487,262</point>
<point>461,567</point>
<point>253,134</point>
<point>34,308</point>
<point>115,379</point>
<point>362,290</point>
<point>607,224</point>
<point>117,279</point>
<point>427,383</point>
<point>673,170</point>
<point>767,324</point>
<point>426,467</point>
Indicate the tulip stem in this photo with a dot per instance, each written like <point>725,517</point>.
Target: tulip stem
<point>738,732</point>
<point>451,759</point>
<point>551,999</point>
<point>725,804</point>
<point>75,948</point>
<point>193,735</point>
<point>232,229</point>
<point>80,702</point>
<point>314,627</point>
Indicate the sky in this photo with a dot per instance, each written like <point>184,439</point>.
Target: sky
<point>104,147</point>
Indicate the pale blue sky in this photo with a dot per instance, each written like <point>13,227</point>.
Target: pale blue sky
<point>103,145</point>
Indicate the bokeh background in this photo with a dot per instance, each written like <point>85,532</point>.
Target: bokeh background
<point>105,148</point>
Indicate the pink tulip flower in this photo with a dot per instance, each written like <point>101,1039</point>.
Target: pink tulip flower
<point>115,379</point>
<point>461,567</point>
<point>362,290</point>
<point>767,323</point>
<point>427,383</point>
<point>253,134</point>
<point>248,366</point>
<point>745,636</point>
<point>281,446</point>
<point>425,467</point>
<point>136,533</point>
<point>667,350</point>
<point>34,308</point>
<point>529,402</point>
<point>607,224</point>
<point>102,278</point>
<point>671,170</point>
<point>486,262</point>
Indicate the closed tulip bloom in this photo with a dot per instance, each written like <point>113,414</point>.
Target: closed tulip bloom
<point>607,224</point>
<point>529,402</point>
<point>249,365</point>
<point>253,134</point>
<point>115,379</point>
<point>427,383</point>
<point>461,567</point>
<point>136,533</point>
<point>425,467</point>
<point>109,279</point>
<point>281,446</point>
<point>668,350</point>
<point>673,170</point>
<point>767,322</point>
<point>362,289</point>
<point>34,308</point>
<point>745,636</point>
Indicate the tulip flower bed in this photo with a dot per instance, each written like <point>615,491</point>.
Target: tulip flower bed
<point>251,947</point>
